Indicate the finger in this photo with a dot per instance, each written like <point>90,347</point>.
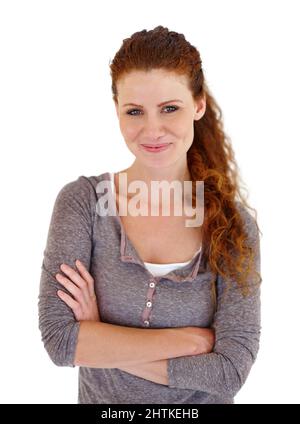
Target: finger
<point>68,300</point>
<point>77,279</point>
<point>73,275</point>
<point>72,288</point>
<point>87,276</point>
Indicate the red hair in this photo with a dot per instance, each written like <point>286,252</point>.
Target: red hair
<point>210,158</point>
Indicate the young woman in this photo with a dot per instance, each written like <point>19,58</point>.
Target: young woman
<point>150,309</point>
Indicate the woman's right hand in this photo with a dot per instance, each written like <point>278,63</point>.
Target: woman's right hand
<point>205,338</point>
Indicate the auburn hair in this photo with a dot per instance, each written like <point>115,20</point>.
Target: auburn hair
<point>210,158</point>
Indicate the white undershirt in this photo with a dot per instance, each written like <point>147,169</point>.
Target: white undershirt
<point>159,269</point>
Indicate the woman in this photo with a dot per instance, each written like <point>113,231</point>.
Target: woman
<point>151,310</point>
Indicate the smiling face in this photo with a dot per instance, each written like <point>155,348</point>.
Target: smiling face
<point>157,107</point>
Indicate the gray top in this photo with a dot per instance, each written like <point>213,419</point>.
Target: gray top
<point>124,287</point>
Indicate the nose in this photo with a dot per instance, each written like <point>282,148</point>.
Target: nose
<point>153,128</point>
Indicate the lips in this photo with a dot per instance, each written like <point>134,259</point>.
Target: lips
<point>155,145</point>
<point>156,148</point>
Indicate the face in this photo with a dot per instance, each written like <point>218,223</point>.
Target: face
<point>157,107</point>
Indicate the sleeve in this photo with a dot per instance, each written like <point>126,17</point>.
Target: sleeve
<point>237,333</point>
<point>69,238</point>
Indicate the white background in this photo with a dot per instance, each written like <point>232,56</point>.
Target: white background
<point>58,122</point>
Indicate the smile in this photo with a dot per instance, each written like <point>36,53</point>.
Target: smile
<point>156,148</point>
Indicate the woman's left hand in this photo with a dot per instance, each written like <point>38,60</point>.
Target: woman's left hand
<point>81,286</point>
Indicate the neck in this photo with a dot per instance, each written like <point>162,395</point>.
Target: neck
<point>140,172</point>
<point>146,174</point>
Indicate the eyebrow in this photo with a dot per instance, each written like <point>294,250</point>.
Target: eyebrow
<point>160,104</point>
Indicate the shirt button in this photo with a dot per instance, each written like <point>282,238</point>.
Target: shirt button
<point>151,285</point>
<point>146,322</point>
<point>149,304</point>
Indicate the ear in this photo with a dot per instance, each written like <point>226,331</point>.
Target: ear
<point>200,107</point>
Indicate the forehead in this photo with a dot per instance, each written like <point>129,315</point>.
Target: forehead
<point>144,82</point>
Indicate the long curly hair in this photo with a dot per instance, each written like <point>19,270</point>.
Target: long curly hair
<point>210,158</point>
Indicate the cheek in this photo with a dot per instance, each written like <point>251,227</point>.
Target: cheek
<point>183,130</point>
<point>181,127</point>
<point>129,130</point>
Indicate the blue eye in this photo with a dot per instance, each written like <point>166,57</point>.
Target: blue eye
<point>134,110</point>
<point>174,108</point>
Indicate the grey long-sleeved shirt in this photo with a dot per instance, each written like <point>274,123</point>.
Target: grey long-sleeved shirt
<point>129,295</point>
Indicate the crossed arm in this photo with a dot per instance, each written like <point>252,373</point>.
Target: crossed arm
<point>143,354</point>
<point>157,371</point>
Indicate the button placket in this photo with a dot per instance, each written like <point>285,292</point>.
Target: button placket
<point>149,303</point>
